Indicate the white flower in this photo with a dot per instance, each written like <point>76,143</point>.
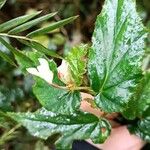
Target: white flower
<point>43,71</point>
<point>64,72</point>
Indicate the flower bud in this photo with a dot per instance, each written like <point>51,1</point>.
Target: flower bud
<point>64,73</point>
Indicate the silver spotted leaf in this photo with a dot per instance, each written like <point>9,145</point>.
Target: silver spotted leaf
<point>79,126</point>
<point>141,128</point>
<point>139,104</point>
<point>114,66</point>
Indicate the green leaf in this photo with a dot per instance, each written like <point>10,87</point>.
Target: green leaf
<point>9,95</point>
<point>56,99</point>
<point>114,66</point>
<point>4,120</point>
<point>39,47</point>
<point>2,2</point>
<point>30,24</point>
<point>34,56</point>
<point>23,61</point>
<point>51,27</point>
<point>77,62</point>
<point>8,46</point>
<point>140,101</point>
<point>141,129</point>
<point>79,126</point>
<point>17,21</point>
<point>5,54</point>
<point>7,58</point>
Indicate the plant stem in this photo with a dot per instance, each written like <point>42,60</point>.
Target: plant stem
<point>59,87</point>
<point>86,89</point>
<point>16,37</point>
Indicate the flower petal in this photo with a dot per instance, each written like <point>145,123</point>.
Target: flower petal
<point>45,71</point>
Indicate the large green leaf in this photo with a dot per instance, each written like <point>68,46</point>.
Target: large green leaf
<point>2,2</point>
<point>140,102</point>
<point>142,129</point>
<point>31,23</point>
<point>79,126</point>
<point>16,21</point>
<point>77,62</point>
<point>51,27</point>
<point>55,99</point>
<point>114,65</point>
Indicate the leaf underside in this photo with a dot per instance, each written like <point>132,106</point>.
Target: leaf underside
<point>139,105</point>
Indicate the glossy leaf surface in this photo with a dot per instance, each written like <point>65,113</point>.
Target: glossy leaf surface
<point>114,65</point>
<point>142,129</point>
<point>79,126</point>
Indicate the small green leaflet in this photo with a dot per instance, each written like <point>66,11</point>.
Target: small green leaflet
<point>31,23</point>
<point>114,66</point>
<point>141,129</point>
<point>140,102</point>
<point>2,2</point>
<point>7,58</point>
<point>16,21</point>
<point>79,126</point>
<point>51,27</point>
<point>77,62</point>
<point>55,99</point>
<point>4,53</point>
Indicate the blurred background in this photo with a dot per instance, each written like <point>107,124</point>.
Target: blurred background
<point>15,89</point>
